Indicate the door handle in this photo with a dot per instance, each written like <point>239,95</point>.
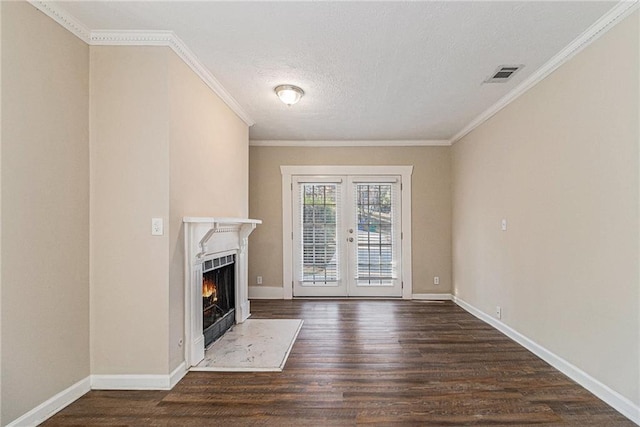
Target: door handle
<point>351,230</point>
<point>350,239</point>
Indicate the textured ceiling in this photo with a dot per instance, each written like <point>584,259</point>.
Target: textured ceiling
<point>370,70</point>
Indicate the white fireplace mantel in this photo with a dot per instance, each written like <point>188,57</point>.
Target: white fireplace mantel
<point>206,238</point>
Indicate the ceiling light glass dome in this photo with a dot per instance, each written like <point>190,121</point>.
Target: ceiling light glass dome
<point>289,94</point>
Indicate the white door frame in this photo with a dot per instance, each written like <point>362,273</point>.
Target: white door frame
<point>287,209</point>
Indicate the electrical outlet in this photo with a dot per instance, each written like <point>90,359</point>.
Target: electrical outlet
<point>157,228</point>
<point>436,280</point>
<point>259,280</point>
<point>499,312</point>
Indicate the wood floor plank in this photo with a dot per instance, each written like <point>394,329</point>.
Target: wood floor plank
<point>366,362</point>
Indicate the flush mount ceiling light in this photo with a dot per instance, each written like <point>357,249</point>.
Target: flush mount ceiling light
<point>289,94</point>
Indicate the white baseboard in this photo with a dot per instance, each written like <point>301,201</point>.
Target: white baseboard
<point>53,405</point>
<point>63,399</point>
<point>138,382</point>
<point>277,292</point>
<point>177,374</point>
<point>273,292</point>
<point>432,297</point>
<point>266,292</point>
<point>614,399</point>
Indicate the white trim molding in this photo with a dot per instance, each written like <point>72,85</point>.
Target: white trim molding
<point>55,404</point>
<point>177,374</point>
<point>359,170</point>
<point>432,297</point>
<point>349,143</point>
<point>130,382</point>
<point>52,406</point>
<point>62,17</point>
<point>169,38</point>
<point>266,292</point>
<point>139,382</point>
<point>614,399</point>
<point>131,38</point>
<point>143,38</point>
<point>591,34</point>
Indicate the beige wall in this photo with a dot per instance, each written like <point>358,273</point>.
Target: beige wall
<point>431,205</point>
<point>162,145</point>
<point>45,209</point>
<point>156,129</point>
<point>129,186</point>
<point>561,165</point>
<point>209,174</point>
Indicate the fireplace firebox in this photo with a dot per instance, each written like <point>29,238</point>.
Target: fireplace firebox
<point>218,297</point>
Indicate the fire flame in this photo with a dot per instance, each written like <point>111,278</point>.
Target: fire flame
<point>209,289</point>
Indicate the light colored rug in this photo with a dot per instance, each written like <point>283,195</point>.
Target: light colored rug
<point>257,345</point>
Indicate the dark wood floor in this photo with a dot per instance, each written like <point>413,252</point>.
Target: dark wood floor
<point>360,362</point>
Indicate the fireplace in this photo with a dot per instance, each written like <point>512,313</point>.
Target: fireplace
<point>218,297</point>
<point>213,244</point>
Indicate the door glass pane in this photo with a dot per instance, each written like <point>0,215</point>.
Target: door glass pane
<point>375,234</point>
<point>319,219</point>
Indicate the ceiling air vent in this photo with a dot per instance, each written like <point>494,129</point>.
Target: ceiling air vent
<point>503,73</point>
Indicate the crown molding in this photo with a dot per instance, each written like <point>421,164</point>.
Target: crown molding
<point>591,34</point>
<point>348,143</point>
<point>63,18</point>
<point>169,38</point>
<point>131,38</point>
<point>143,38</point>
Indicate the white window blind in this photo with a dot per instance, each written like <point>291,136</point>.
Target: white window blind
<point>318,216</point>
<point>375,208</point>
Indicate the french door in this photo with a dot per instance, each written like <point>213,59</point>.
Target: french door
<point>346,236</point>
